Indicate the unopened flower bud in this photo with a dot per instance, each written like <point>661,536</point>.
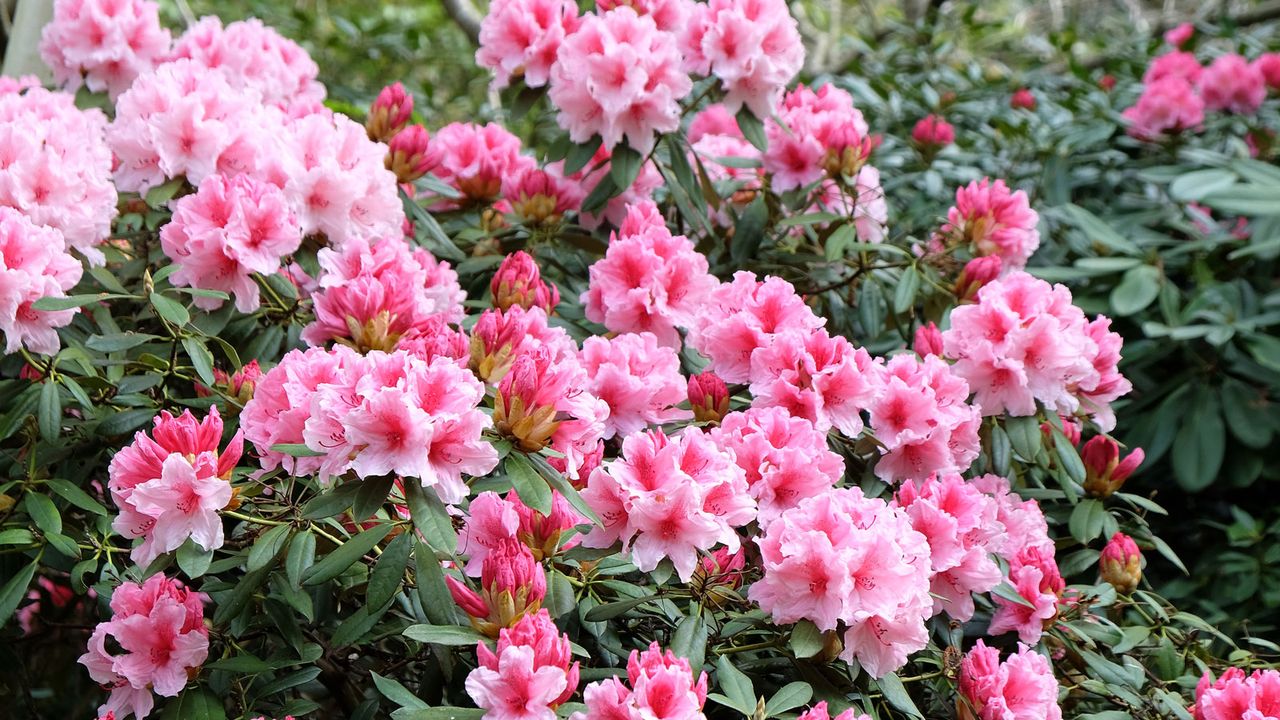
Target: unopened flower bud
<point>718,576</point>
<point>709,397</point>
<point>541,198</point>
<point>389,113</point>
<point>519,282</point>
<point>1121,563</point>
<point>928,340</point>
<point>409,154</point>
<point>1107,82</point>
<point>520,411</point>
<point>1105,471</point>
<point>932,133</point>
<point>847,153</point>
<point>977,273</point>
<point>1023,100</point>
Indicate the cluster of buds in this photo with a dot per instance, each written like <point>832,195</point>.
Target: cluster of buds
<point>717,578</point>
<point>410,155</point>
<point>1105,470</point>
<point>519,282</point>
<point>931,134</point>
<point>238,386</point>
<point>847,153</point>
<point>524,408</point>
<point>1121,563</point>
<point>708,397</point>
<point>978,271</point>
<point>541,533</point>
<point>512,585</point>
<point>389,113</point>
<point>541,199</point>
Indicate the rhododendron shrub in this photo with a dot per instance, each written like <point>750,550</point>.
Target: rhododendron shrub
<point>652,399</point>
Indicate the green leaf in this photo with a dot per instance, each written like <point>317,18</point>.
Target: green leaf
<point>1087,520</point>
<point>193,559</point>
<point>789,697</point>
<point>1025,436</point>
<point>159,195</point>
<point>1137,289</point>
<point>395,692</point>
<point>896,693</point>
<point>431,235</point>
<point>1068,459</point>
<point>388,572</point>
<point>529,484</point>
<point>1199,446</point>
<point>1010,593</point>
<point>438,713</point>
<point>125,421</point>
<point>336,562</point>
<point>737,687</point>
<point>560,598</point>
<point>201,360</point>
<point>49,412</point>
<point>16,536</point>
<point>749,232</point>
<point>839,241</point>
<point>13,592</point>
<point>1195,185</point>
<point>296,450</point>
<point>18,411</point>
<point>171,310</point>
<point>302,555</point>
<point>580,155</point>
<point>1266,350</point>
<point>114,342</point>
<point>43,512</point>
<point>195,704</point>
<point>624,165</point>
<point>452,635</point>
<point>904,295</point>
<point>1100,232</point>
<point>433,594</point>
<point>54,304</point>
<point>690,639</point>
<point>330,503</point>
<point>241,664</point>
<point>561,484</point>
<point>431,518</point>
<point>806,639</point>
<point>753,130</point>
<point>267,547</point>
<point>600,194</point>
<point>371,495</point>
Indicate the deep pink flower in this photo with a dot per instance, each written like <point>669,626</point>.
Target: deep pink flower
<point>475,160</point>
<point>708,396</point>
<point>500,336</point>
<point>639,379</point>
<point>1232,84</point>
<point>520,39</point>
<point>1179,35</point>
<point>819,712</point>
<point>994,220</point>
<point>389,114</point>
<point>103,44</point>
<point>1173,64</point>
<point>928,340</point>
<point>812,132</point>
<point>410,155</point>
<point>1269,65</point>
<point>1033,573</point>
<point>977,273</point>
<point>33,265</point>
<point>542,197</point>
<point>1023,99</point>
<point>1168,106</point>
<point>1235,695</point>
<point>752,46</point>
<point>512,585</point>
<point>823,379</point>
<point>922,420</point>
<point>933,132</point>
<point>516,688</point>
<point>1020,688</point>
<point>618,77</point>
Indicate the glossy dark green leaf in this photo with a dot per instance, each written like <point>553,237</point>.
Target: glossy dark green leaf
<point>170,309</point>
<point>389,570</point>
<point>337,561</point>
<point>267,547</point>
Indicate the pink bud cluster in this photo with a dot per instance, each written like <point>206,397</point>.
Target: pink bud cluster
<point>512,586</point>
<point>669,498</point>
<point>170,485</point>
<point>815,129</point>
<point>843,558</point>
<point>528,674</point>
<point>33,265</point>
<point>103,44</point>
<point>518,281</point>
<point>475,160</point>
<point>1022,687</point>
<point>158,637</point>
<point>662,686</point>
<point>492,520</point>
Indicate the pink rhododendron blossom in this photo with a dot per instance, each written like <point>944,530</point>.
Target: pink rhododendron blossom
<point>714,119</point>
<point>922,420</point>
<point>669,498</point>
<point>1033,573</point>
<point>649,280</point>
<point>639,379</point>
<point>820,712</point>
<point>823,379</point>
<point>662,686</point>
<point>33,265</point>
<point>164,501</point>
<point>751,46</point>
<point>994,220</point>
<point>1020,688</point>
<point>1269,65</point>
<point>512,586</point>
<point>863,199</point>
<point>255,56</point>
<point>372,295</point>
<point>520,38</point>
<point>1232,84</point>
<point>1104,470</point>
<point>841,557</point>
<point>1023,342</point>
<point>490,520</point>
<point>410,154</point>
<point>927,340</point>
<point>1255,696</point>
<point>1179,35</point>
<point>744,315</point>
<point>815,131</point>
<point>543,197</point>
<point>1121,563</point>
<point>103,44</point>
<point>709,397</point>
<point>475,160</point>
<point>55,167</point>
<point>975,275</point>
<point>227,231</point>
<point>961,524</point>
<point>542,401</point>
<point>158,637</point>
<point>517,678</point>
<point>1166,107</point>
<point>933,131</point>
<point>618,77</point>
<point>1173,64</point>
<point>785,458</point>
<point>669,15</point>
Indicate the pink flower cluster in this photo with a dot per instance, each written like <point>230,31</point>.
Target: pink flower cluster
<point>1178,90</point>
<point>1236,696</point>
<point>1033,570</point>
<point>820,712</point>
<point>476,160</point>
<point>1020,688</point>
<point>618,77</point>
<point>501,336</point>
<point>823,379</point>
<point>751,46</point>
<point>33,265</point>
<point>103,44</point>
<point>227,231</point>
<point>649,280</point>
<point>373,295</point>
<point>528,674</point>
<point>255,57</point>
<point>1167,107</point>
<point>993,220</point>
<point>922,420</point>
<point>662,686</point>
<point>785,458</point>
<point>375,414</point>
<point>639,379</point>
<point>1232,84</point>
<point>492,520</point>
<point>520,38</point>
<point>816,129</point>
<point>158,637</point>
<point>55,167</point>
<point>669,498</point>
<point>841,557</point>
<point>1023,342</point>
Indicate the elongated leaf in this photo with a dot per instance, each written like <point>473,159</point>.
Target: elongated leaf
<point>789,697</point>
<point>268,546</point>
<point>753,130</point>
<point>43,512</point>
<point>749,233</point>
<point>896,693</point>
<point>170,309</point>
<point>195,704</point>
<point>371,495</point>
<point>49,413</point>
<point>736,686</point>
<point>392,690</point>
<point>201,360</point>
<point>530,485</point>
<point>388,572</point>
<point>76,496</point>
<point>53,304</point>
<point>433,594</point>
<point>13,592</point>
<point>806,639</point>
<point>444,635</point>
<point>336,562</point>
<point>624,165</point>
<point>431,518</point>
<point>302,555</point>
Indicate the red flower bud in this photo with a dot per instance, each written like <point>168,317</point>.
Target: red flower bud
<point>389,113</point>
<point>409,154</point>
<point>709,397</point>
<point>1107,82</point>
<point>932,132</point>
<point>1023,100</point>
<point>1121,563</point>
<point>1105,472</point>
<point>928,340</point>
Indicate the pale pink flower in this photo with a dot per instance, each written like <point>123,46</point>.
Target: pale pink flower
<point>744,315</point>
<point>1167,106</point>
<point>994,220</point>
<point>476,160</point>
<point>184,503</point>
<point>820,712</point>
<point>752,47</point>
<point>862,198</point>
<point>490,520</point>
<point>520,38</point>
<point>1173,64</point>
<point>922,420</point>
<point>227,231</point>
<point>103,44</point>
<point>638,378</point>
<point>33,265</point>
<point>254,56</point>
<point>823,379</point>
<point>928,340</point>
<point>669,498</point>
<point>1232,84</point>
<point>663,686</point>
<point>1020,688</point>
<point>618,77</point>
<point>55,166</point>
<point>649,280</point>
<point>669,15</point>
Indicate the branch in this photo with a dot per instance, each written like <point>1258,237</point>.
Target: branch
<point>465,14</point>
